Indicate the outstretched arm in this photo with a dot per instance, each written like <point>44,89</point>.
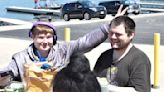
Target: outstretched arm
<point>94,38</point>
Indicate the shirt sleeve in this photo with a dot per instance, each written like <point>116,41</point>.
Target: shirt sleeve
<point>140,74</point>
<point>12,69</point>
<point>90,40</point>
<point>102,64</point>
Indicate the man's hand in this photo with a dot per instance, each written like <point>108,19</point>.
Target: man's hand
<point>120,11</point>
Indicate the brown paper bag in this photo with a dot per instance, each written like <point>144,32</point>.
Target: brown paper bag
<point>37,79</point>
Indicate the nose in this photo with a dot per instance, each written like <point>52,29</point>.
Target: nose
<point>45,40</point>
<point>112,36</point>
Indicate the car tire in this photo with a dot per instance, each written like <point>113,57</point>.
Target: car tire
<point>66,17</point>
<point>80,18</point>
<point>113,14</point>
<point>87,16</point>
<point>136,13</point>
<point>102,17</point>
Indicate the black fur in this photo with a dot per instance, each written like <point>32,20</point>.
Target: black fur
<point>76,77</point>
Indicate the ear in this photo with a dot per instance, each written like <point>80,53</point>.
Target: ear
<point>132,35</point>
<point>32,36</point>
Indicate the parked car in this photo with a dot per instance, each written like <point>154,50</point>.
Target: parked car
<point>113,5</point>
<point>82,10</point>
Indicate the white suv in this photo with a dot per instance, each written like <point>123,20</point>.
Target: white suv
<point>113,5</point>
<point>134,6</point>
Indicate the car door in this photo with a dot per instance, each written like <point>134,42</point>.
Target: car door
<point>111,6</point>
<point>76,11</point>
<point>71,10</point>
<point>79,10</point>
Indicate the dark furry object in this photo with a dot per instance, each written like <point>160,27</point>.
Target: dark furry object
<point>76,77</point>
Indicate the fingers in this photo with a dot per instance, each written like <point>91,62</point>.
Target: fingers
<point>121,11</point>
<point>124,10</point>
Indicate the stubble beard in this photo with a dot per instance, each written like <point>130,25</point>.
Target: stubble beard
<point>119,47</point>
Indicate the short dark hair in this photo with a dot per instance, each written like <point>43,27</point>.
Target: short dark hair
<point>127,21</point>
<point>76,77</point>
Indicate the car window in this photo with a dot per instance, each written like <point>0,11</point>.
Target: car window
<point>65,6</point>
<point>88,3</point>
<point>112,3</point>
<point>78,6</point>
<point>103,3</point>
<point>117,3</point>
<point>72,6</point>
<point>68,6</point>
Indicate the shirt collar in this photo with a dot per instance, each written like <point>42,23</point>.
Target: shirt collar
<point>117,57</point>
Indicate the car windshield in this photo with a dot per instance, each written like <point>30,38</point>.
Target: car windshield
<point>88,3</point>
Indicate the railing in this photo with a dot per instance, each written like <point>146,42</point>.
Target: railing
<point>152,5</point>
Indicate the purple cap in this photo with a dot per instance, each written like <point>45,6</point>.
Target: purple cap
<point>42,23</point>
